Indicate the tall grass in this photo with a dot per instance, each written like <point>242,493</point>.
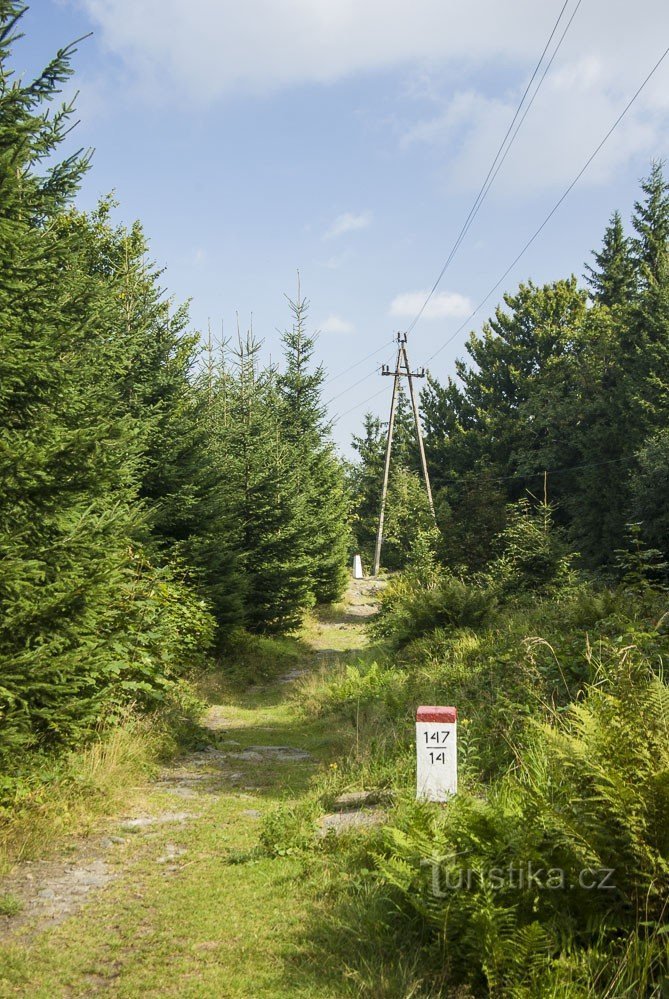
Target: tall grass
<point>564,766</point>
<point>51,797</point>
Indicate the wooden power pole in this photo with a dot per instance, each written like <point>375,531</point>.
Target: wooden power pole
<point>402,370</point>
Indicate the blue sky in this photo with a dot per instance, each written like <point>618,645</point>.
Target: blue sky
<point>348,139</point>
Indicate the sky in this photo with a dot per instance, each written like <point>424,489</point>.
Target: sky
<point>347,140</point>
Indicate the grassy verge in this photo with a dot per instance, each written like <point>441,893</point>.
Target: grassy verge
<point>563,767</point>
<point>55,796</point>
<point>255,904</point>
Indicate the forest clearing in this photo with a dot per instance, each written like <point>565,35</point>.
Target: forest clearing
<point>294,702</point>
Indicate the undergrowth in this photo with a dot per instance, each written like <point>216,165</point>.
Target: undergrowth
<point>49,796</point>
<point>563,769</point>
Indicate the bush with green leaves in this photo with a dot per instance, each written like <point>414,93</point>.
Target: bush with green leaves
<point>154,631</point>
<point>533,556</point>
<point>561,872</point>
<point>413,605</point>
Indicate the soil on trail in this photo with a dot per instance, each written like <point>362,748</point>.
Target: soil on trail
<point>173,897</point>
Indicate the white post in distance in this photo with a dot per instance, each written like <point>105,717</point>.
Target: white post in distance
<point>357,567</point>
<point>436,753</point>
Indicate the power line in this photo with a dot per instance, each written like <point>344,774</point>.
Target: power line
<point>567,468</point>
<point>534,236</point>
<point>490,176</point>
<point>489,179</point>
<point>340,416</point>
<point>555,207</point>
<point>356,364</point>
<point>354,385</point>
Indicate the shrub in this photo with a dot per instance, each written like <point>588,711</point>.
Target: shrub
<point>590,793</point>
<point>410,608</point>
<point>533,557</point>
<point>155,630</point>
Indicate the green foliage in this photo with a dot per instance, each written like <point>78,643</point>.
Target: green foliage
<point>407,507</point>
<point>289,829</point>
<point>73,582</point>
<point>407,511</point>
<point>10,905</point>
<point>319,474</point>
<point>148,509</point>
<point>262,499</point>
<point>247,658</point>
<point>639,566</point>
<point>613,280</point>
<point>586,806</point>
<point>533,556</point>
<point>411,608</point>
<point>364,480</point>
<point>650,491</point>
<point>559,385</point>
<point>562,769</point>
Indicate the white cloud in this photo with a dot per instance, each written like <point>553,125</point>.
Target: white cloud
<point>212,47</point>
<point>442,305</point>
<point>198,52</point>
<point>335,262</point>
<point>348,222</point>
<point>334,324</point>
<point>572,112</point>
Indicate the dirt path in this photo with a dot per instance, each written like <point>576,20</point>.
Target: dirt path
<point>173,898</point>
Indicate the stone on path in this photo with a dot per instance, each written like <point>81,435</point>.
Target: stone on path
<point>144,821</point>
<point>286,754</point>
<point>355,799</point>
<point>339,822</point>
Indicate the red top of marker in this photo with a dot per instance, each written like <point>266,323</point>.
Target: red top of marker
<point>434,713</point>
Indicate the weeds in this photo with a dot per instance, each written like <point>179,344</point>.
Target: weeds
<point>53,796</point>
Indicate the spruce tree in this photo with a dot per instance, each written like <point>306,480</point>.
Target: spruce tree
<point>66,457</point>
<point>319,475</point>
<point>613,280</point>
<point>84,617</point>
<point>406,500</point>
<point>364,481</point>
<point>649,321</point>
<point>651,222</point>
<point>147,360</point>
<point>650,492</point>
<point>265,503</point>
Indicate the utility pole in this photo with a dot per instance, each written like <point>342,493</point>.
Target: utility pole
<point>402,370</point>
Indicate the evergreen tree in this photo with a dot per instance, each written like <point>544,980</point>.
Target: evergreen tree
<point>613,280</point>
<point>651,222</point>
<point>408,515</point>
<point>147,359</point>
<point>66,461</point>
<point>265,503</point>
<point>648,353</point>
<point>319,475</point>
<point>365,478</point>
<point>650,492</point>
<point>84,617</point>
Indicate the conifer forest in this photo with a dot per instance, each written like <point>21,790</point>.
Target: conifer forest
<point>208,725</point>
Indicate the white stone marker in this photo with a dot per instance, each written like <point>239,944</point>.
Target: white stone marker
<point>436,753</point>
<point>357,567</point>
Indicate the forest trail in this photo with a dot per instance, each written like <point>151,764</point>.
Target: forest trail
<point>173,898</point>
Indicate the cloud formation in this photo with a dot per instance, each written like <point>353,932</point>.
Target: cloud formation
<point>334,324</point>
<point>348,222</point>
<point>578,102</point>
<point>469,62</point>
<point>442,305</point>
<point>212,47</point>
